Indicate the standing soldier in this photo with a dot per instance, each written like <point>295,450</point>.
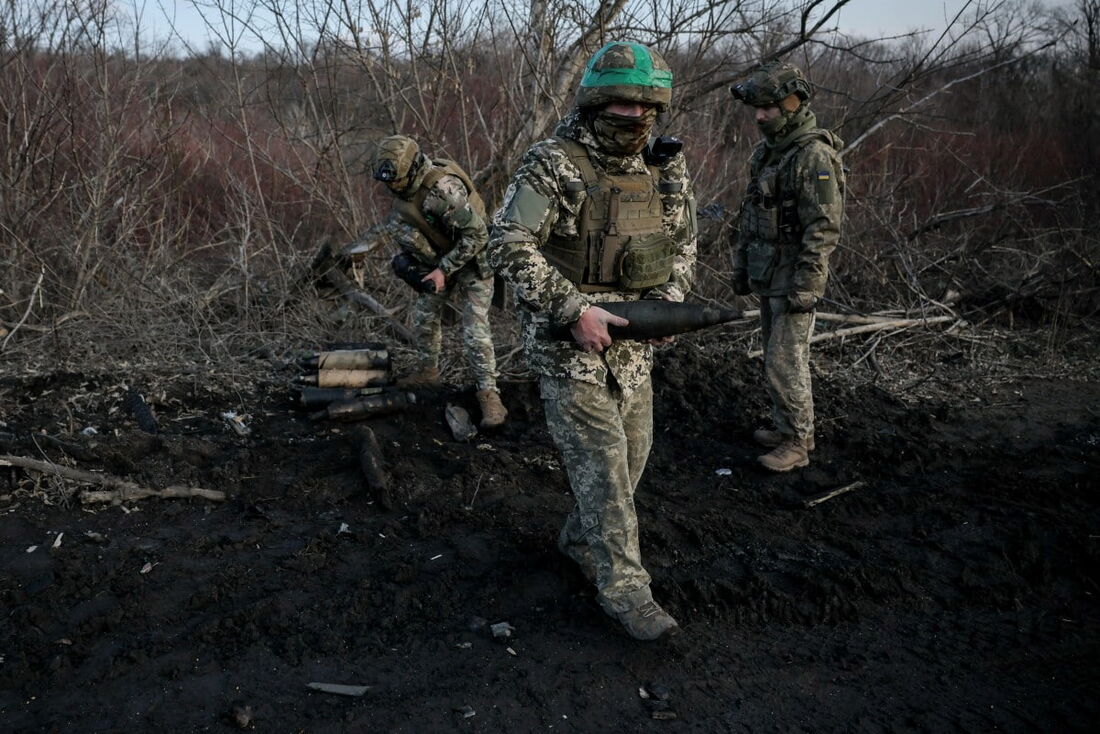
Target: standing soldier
<point>438,221</point>
<point>790,222</point>
<point>590,217</point>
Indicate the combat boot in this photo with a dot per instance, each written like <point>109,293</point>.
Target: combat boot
<point>493,411</point>
<point>424,377</point>
<point>789,454</point>
<point>771,438</point>
<point>642,617</point>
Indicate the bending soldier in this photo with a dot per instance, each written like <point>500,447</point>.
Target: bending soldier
<point>588,219</point>
<point>790,222</point>
<point>439,223</point>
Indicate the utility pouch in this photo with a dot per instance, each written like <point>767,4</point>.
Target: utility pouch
<point>646,262</point>
<point>760,260</point>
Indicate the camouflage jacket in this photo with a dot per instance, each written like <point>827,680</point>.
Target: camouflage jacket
<point>545,295</point>
<point>447,206</point>
<point>812,182</point>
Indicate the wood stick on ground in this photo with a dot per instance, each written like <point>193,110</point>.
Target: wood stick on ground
<point>118,490</point>
<point>813,502</point>
<point>871,328</point>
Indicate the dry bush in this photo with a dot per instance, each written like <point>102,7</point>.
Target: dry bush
<point>169,206</point>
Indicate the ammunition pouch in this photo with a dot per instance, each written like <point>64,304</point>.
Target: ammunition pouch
<point>646,261</point>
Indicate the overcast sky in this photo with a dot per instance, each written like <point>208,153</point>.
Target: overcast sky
<point>868,18</point>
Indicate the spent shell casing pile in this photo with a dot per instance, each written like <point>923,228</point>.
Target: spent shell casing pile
<point>355,378</point>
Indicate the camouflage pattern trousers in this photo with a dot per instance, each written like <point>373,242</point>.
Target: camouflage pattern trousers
<point>604,438</point>
<point>476,295</point>
<point>787,366</point>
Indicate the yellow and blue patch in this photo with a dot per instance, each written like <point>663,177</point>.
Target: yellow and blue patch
<point>823,176</point>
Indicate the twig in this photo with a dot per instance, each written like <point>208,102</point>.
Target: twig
<point>27,312</point>
<point>813,502</point>
<point>119,490</point>
<point>874,326</point>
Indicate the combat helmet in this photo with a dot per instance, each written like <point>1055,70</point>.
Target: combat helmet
<point>771,83</point>
<point>625,72</point>
<point>396,158</point>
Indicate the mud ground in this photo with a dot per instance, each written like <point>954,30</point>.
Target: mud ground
<point>954,590</point>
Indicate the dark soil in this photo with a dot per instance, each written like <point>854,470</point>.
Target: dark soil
<point>955,590</point>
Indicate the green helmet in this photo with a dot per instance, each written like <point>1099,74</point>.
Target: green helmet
<point>395,158</point>
<point>771,83</point>
<point>625,72</point>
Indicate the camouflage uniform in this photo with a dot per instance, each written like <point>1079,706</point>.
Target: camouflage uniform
<point>790,223</point>
<point>465,267</point>
<point>599,407</point>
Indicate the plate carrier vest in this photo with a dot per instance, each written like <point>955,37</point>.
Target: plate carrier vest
<point>411,210</point>
<point>621,242</point>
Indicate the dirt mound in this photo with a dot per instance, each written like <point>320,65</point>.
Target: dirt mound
<point>953,589</point>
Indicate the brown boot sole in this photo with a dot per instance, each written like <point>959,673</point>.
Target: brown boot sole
<point>788,467</point>
<point>773,444</point>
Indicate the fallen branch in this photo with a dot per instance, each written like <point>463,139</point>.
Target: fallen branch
<point>870,328</point>
<point>813,502</point>
<point>350,291</point>
<point>119,490</point>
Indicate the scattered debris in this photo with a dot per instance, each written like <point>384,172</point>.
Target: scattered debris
<point>338,689</point>
<point>57,540</point>
<point>464,645</point>
<point>814,501</point>
<point>723,472</point>
<point>242,716</point>
<point>89,431</point>
<point>147,567</point>
<point>344,528</point>
<point>32,549</point>
<point>436,557</point>
<point>656,697</point>
<point>458,420</point>
<point>466,711</point>
<point>237,422</point>
<point>511,652</point>
<point>502,630</point>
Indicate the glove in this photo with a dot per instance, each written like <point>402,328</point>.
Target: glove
<point>801,302</point>
<point>741,283</point>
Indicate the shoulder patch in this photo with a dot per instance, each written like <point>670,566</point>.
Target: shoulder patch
<point>527,208</point>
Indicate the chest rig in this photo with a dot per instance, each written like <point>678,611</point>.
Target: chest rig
<point>769,214</point>
<point>411,210</point>
<point>621,242</point>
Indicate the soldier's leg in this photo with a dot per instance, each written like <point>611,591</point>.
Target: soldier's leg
<point>427,324</point>
<point>586,423</point>
<point>787,367</point>
<point>637,412</point>
<point>477,337</point>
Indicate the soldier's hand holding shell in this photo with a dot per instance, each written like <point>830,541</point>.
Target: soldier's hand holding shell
<point>590,330</point>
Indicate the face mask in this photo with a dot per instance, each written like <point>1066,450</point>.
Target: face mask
<point>772,128</point>
<point>622,135</point>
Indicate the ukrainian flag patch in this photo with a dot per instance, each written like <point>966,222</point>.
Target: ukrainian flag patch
<point>823,176</point>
